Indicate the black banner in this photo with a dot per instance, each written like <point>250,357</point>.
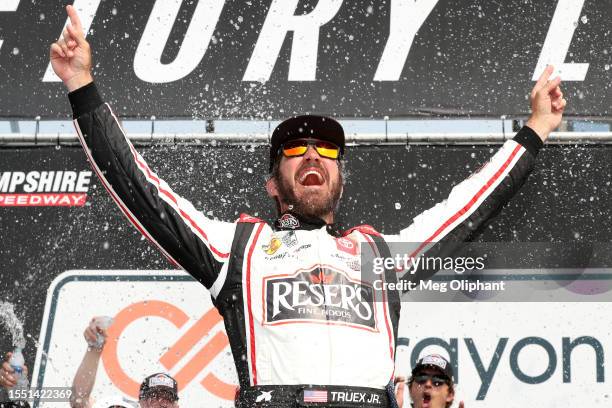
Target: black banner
<point>567,199</point>
<point>274,58</point>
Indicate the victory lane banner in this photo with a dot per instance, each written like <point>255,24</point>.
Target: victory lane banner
<point>274,58</point>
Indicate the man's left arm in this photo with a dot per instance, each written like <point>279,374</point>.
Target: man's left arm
<point>475,200</point>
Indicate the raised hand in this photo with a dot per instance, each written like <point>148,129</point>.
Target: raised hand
<point>91,332</point>
<point>547,104</point>
<point>71,55</point>
<point>7,379</point>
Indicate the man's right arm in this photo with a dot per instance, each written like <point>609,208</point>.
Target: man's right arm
<point>184,235</point>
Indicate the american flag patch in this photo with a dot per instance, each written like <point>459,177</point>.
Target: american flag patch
<point>315,396</point>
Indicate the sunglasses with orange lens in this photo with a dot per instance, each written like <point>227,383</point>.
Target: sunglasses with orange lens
<point>299,147</point>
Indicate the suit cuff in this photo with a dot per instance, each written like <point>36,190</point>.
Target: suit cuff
<point>529,140</point>
<point>84,100</point>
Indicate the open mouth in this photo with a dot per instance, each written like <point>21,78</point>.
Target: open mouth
<point>311,177</point>
<point>426,400</point>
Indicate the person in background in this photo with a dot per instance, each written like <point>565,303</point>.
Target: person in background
<point>431,384</point>
<point>158,390</point>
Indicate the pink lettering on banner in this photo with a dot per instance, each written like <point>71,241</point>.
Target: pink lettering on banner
<point>43,200</point>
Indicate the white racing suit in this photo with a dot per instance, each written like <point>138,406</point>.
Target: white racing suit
<point>287,292</point>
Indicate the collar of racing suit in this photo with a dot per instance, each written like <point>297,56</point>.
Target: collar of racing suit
<point>292,221</point>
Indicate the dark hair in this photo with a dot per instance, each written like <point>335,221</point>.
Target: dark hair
<point>451,389</point>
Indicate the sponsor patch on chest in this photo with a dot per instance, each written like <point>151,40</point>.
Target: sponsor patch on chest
<point>319,294</point>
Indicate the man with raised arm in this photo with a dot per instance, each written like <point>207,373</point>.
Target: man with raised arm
<point>303,329</point>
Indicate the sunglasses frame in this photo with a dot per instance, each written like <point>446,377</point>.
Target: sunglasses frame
<point>434,378</point>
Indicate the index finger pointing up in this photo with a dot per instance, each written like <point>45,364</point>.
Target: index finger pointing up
<point>553,85</point>
<point>74,18</point>
<point>544,77</point>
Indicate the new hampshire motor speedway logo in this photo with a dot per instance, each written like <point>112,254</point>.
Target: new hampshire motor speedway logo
<point>44,188</point>
<point>319,294</point>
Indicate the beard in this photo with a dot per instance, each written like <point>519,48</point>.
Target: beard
<point>312,204</point>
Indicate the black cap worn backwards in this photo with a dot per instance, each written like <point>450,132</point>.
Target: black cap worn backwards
<point>435,361</point>
<point>304,127</point>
